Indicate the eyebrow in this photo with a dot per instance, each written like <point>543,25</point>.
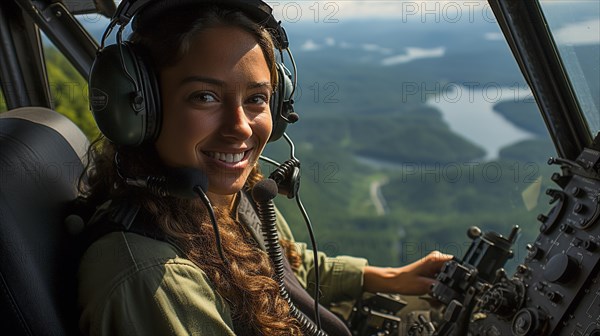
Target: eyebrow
<point>214,81</point>
<point>208,80</point>
<point>259,85</point>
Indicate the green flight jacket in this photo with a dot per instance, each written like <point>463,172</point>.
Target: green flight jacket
<point>133,285</point>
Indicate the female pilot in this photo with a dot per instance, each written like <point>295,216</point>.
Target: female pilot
<point>215,76</point>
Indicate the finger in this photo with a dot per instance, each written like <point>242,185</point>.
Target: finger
<point>440,257</point>
<point>423,285</point>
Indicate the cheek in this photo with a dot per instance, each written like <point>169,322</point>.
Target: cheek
<point>181,130</point>
<point>264,127</point>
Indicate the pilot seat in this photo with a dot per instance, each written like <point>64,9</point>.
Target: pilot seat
<point>41,162</point>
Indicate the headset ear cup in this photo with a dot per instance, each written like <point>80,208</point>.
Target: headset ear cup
<point>151,91</point>
<point>124,96</point>
<point>282,102</point>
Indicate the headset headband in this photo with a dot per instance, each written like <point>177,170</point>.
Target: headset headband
<point>256,9</point>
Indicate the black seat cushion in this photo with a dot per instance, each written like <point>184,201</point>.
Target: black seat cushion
<point>40,165</point>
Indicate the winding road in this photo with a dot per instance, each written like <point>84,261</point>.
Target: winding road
<point>377,197</point>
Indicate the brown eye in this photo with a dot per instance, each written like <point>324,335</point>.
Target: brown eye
<point>202,97</point>
<point>259,99</point>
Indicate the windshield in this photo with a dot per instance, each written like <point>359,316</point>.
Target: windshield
<point>575,27</point>
<point>415,123</point>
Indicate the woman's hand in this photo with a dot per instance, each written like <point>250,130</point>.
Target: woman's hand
<point>412,279</point>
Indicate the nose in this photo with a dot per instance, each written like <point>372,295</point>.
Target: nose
<point>236,124</point>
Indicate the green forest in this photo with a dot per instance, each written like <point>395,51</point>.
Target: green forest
<point>435,187</point>
<point>68,91</point>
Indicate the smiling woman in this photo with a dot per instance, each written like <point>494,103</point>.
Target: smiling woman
<point>216,117</point>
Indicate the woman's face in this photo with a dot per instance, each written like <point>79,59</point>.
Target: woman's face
<point>216,114</point>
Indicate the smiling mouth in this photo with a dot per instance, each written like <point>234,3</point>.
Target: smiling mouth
<point>227,157</point>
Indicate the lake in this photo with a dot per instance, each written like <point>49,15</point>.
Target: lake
<point>470,112</point>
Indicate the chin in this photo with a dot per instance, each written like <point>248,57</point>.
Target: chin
<point>227,187</point>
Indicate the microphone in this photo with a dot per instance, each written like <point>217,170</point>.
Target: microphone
<point>179,182</point>
<point>264,191</point>
<point>293,117</point>
<point>182,182</point>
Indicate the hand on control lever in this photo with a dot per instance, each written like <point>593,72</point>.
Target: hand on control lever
<point>413,279</point>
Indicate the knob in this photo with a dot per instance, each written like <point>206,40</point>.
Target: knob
<point>528,322</point>
<point>562,181</point>
<point>579,208</point>
<point>566,228</point>
<point>473,232</point>
<point>534,252</point>
<point>595,332</point>
<point>561,268</point>
<point>577,192</point>
<point>543,219</point>
<point>522,269</point>
<point>555,194</point>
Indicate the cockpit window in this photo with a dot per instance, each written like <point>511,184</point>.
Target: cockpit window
<point>68,90</point>
<point>575,27</point>
<point>415,123</point>
<point>2,102</point>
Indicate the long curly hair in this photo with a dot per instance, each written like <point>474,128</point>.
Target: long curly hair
<point>247,281</point>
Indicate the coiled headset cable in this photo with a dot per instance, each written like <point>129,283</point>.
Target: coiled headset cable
<point>287,178</point>
<point>263,194</point>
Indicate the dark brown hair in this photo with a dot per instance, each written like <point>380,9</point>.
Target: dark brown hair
<point>247,282</point>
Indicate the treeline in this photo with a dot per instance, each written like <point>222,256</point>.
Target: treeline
<point>417,134</point>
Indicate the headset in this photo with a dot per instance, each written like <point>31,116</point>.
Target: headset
<point>124,93</point>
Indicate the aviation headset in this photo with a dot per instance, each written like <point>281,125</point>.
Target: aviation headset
<point>123,87</point>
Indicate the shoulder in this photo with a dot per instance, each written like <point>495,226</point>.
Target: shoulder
<point>118,253</point>
<point>119,257</point>
<point>126,275</point>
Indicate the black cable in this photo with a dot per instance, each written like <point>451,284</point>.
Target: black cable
<point>213,220</point>
<point>269,160</point>
<point>263,194</point>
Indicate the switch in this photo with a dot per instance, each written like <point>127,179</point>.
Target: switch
<point>554,296</point>
<point>590,245</point>
<point>566,228</point>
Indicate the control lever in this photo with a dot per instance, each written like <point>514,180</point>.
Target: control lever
<point>461,281</point>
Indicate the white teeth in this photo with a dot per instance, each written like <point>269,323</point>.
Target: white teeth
<point>227,157</point>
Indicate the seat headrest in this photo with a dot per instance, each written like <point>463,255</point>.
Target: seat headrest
<point>41,155</point>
